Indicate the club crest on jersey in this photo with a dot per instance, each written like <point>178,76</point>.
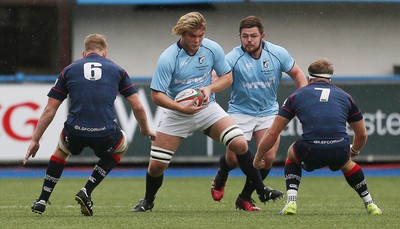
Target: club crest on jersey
<point>201,59</point>
<point>265,63</point>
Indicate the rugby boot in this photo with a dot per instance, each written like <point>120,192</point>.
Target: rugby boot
<point>218,187</point>
<point>143,206</point>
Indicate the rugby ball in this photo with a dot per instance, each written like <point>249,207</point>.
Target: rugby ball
<point>188,95</point>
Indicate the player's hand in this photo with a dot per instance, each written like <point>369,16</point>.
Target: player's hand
<point>206,92</point>
<point>32,150</point>
<point>353,152</point>
<point>151,135</point>
<point>190,108</point>
<point>258,164</point>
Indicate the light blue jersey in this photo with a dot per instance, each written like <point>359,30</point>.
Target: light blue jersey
<point>256,81</point>
<point>177,71</point>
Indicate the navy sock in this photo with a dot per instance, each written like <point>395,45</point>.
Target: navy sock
<point>53,173</point>
<point>249,188</point>
<point>356,179</point>
<point>246,165</point>
<point>292,175</point>
<point>100,171</point>
<point>224,168</point>
<point>152,186</point>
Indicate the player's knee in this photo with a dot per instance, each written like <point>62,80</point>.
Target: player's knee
<point>156,168</point>
<point>62,145</point>
<point>122,145</point>
<point>232,135</point>
<point>59,153</point>
<point>239,146</point>
<point>161,155</point>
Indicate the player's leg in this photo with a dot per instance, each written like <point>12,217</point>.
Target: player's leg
<point>227,162</point>
<point>160,156</point>
<point>292,178</point>
<point>226,131</point>
<point>106,163</point>
<point>356,179</point>
<point>55,167</point>
<point>172,129</point>
<point>244,200</point>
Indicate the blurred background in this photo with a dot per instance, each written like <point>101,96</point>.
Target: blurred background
<point>38,38</point>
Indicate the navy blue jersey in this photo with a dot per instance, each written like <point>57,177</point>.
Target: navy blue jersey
<point>92,84</point>
<point>323,110</point>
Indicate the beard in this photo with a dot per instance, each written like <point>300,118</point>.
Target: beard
<point>252,49</point>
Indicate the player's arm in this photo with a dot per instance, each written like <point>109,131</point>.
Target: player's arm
<point>44,121</point>
<point>218,84</point>
<point>140,115</point>
<point>298,76</point>
<point>360,136</point>
<point>161,99</point>
<point>269,139</point>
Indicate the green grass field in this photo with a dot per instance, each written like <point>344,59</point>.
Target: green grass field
<point>186,203</point>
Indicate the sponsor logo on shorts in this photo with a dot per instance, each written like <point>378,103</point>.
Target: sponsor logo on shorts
<point>328,142</point>
<point>90,129</point>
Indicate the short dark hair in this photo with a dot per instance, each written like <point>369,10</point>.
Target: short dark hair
<point>251,22</point>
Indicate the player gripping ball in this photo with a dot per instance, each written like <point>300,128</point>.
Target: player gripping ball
<point>190,95</point>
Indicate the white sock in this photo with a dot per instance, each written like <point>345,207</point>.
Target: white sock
<point>367,199</point>
<point>291,195</point>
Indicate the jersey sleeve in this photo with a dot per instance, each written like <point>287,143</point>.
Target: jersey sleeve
<point>221,65</point>
<point>163,74</point>
<point>231,58</point>
<point>286,109</point>
<point>59,91</point>
<point>354,113</point>
<point>287,60</point>
<point>126,87</point>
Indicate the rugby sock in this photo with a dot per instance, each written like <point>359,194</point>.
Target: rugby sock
<point>53,173</point>
<point>100,171</point>
<point>356,179</point>
<point>224,168</point>
<point>246,165</point>
<point>249,188</point>
<point>292,175</point>
<point>152,186</point>
<point>291,195</point>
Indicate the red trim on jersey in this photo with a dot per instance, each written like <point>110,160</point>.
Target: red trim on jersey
<point>55,89</point>
<point>58,160</point>
<point>352,171</point>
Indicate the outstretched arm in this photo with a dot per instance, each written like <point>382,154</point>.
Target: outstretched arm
<point>44,121</point>
<point>140,116</point>
<point>269,139</point>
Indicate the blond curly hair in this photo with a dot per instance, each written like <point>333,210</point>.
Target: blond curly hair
<point>188,22</point>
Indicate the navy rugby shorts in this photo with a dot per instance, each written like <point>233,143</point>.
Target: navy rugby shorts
<point>101,145</point>
<point>312,158</point>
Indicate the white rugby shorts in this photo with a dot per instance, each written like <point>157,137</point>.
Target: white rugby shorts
<point>249,124</point>
<point>179,124</point>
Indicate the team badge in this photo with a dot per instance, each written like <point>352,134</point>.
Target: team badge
<point>265,63</point>
<point>201,59</point>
